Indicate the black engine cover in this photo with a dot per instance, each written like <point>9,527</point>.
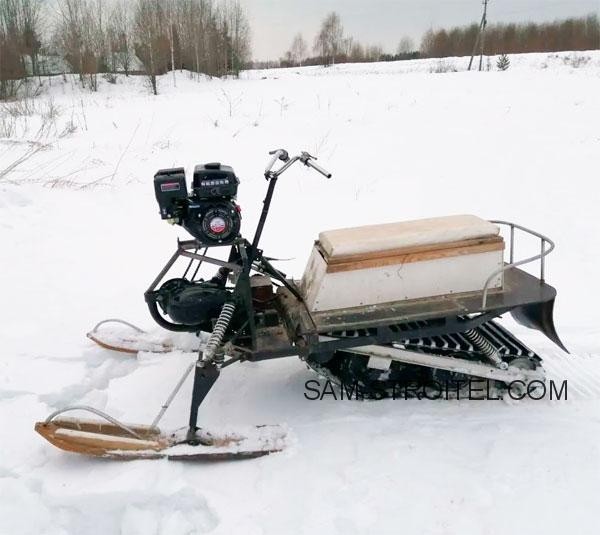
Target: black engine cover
<point>192,303</point>
<point>213,222</point>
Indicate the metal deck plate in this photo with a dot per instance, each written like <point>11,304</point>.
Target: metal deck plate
<point>520,288</point>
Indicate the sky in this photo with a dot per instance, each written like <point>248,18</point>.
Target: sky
<point>384,22</point>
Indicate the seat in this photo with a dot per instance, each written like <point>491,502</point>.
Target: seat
<point>396,237</point>
<point>402,261</point>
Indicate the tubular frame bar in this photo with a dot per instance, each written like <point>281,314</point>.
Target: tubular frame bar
<point>453,364</point>
<point>512,264</point>
<point>98,412</point>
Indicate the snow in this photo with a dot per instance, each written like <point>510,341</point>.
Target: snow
<point>402,143</point>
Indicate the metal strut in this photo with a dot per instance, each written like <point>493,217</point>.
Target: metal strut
<point>207,368</point>
<point>172,395</point>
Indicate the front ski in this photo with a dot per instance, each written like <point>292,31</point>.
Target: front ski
<point>124,337</point>
<point>128,442</point>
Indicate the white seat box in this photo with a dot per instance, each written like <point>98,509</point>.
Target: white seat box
<point>378,264</point>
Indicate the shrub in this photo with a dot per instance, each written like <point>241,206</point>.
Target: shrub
<point>503,63</point>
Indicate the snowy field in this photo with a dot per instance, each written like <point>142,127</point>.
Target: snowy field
<point>81,240</point>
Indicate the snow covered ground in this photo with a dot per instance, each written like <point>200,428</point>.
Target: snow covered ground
<point>402,142</point>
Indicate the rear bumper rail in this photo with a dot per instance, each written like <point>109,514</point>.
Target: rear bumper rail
<point>545,251</point>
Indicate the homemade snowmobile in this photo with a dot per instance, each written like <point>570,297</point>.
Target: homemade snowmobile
<point>379,307</point>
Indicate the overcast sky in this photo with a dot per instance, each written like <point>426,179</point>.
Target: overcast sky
<point>383,22</point>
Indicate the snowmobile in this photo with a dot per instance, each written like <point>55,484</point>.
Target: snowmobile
<point>378,307</point>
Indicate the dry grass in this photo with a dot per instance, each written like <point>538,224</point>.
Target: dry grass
<point>42,118</point>
<point>442,66</point>
<point>576,60</point>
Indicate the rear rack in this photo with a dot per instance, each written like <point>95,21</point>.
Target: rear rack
<point>512,264</point>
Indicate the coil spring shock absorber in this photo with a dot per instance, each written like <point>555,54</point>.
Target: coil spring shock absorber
<point>479,342</point>
<point>221,276</point>
<point>216,338</point>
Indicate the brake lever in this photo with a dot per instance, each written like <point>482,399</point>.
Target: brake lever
<point>278,154</point>
<point>282,154</point>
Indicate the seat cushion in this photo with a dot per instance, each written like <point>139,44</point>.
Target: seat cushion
<point>404,234</point>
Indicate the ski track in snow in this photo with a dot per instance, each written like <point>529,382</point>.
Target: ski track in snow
<point>402,143</point>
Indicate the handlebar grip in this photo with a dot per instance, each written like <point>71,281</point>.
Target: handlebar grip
<point>271,163</point>
<point>280,154</point>
<point>318,168</point>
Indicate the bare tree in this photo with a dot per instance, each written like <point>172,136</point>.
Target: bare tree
<point>19,39</point>
<point>191,22</point>
<point>106,35</point>
<point>81,32</point>
<point>70,35</point>
<point>427,43</point>
<point>298,50</point>
<point>373,53</point>
<point>29,15</point>
<point>95,39</point>
<point>121,36</point>
<point>405,46</point>
<point>237,36</point>
<point>150,37</point>
<point>330,39</point>
<point>346,48</point>
<point>169,10</point>
<point>287,60</point>
<point>11,66</point>
<point>357,52</point>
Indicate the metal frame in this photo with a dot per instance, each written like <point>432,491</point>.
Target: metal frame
<point>512,264</point>
<point>303,337</point>
<point>298,333</point>
<point>322,349</point>
<point>307,341</point>
<point>246,257</point>
<point>243,258</point>
<point>183,249</point>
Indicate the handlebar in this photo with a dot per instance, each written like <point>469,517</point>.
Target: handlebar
<point>283,155</point>
<point>279,154</point>
<point>271,176</point>
<point>307,160</point>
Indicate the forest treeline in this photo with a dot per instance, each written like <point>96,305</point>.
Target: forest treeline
<point>332,45</point>
<point>152,37</point>
<point>149,37</point>
<point>570,34</point>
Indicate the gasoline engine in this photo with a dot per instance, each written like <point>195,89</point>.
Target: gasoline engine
<point>209,213</point>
